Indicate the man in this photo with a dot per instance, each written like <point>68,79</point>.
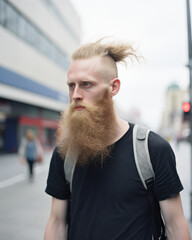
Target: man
<point>108,200</point>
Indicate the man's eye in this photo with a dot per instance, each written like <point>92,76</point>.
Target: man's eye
<point>86,84</point>
<point>71,85</point>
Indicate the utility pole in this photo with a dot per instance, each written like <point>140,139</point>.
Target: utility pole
<point>190,87</point>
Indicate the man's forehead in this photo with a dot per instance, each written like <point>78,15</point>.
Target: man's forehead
<point>93,60</point>
<point>90,66</point>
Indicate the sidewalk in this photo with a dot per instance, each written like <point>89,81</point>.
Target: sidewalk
<point>12,171</point>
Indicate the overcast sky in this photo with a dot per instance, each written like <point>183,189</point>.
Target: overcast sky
<point>158,28</point>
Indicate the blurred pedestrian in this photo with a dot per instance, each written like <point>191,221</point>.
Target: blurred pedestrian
<point>108,200</point>
<point>30,151</point>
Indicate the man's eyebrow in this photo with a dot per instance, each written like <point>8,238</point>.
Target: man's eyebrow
<point>69,82</point>
<point>81,81</point>
<point>88,80</point>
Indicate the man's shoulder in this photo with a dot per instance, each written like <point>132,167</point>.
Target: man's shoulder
<point>157,141</point>
<point>56,155</point>
<point>160,150</point>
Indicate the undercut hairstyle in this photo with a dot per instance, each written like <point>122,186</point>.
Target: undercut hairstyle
<point>119,52</point>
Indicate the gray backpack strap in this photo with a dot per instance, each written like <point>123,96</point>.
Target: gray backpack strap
<point>69,167</point>
<point>141,154</point>
<point>147,175</point>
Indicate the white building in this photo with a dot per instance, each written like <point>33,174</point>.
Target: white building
<point>37,38</point>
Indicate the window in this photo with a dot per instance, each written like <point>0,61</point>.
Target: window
<point>15,22</point>
<point>11,19</point>
<point>53,8</point>
<point>2,12</point>
<point>22,28</point>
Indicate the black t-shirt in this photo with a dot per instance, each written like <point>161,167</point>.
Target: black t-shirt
<point>109,201</point>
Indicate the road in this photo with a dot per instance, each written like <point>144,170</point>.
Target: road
<point>24,206</point>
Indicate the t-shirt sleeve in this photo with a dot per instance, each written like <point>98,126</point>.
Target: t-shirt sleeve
<point>167,182</point>
<point>56,184</point>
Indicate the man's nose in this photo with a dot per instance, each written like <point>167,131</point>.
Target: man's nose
<point>77,94</point>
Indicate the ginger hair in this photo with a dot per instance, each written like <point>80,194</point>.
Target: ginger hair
<point>111,53</point>
<point>119,52</point>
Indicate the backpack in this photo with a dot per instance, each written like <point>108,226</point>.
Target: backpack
<point>145,171</point>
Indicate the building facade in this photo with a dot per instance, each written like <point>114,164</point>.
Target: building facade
<point>37,38</point>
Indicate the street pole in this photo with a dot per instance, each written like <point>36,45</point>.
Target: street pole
<point>190,88</point>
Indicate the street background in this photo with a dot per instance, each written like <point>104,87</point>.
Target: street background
<point>37,39</point>
<point>25,207</point>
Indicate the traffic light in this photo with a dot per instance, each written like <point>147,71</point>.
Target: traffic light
<point>186,111</point>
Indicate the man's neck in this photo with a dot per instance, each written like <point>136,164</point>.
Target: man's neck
<point>121,127</point>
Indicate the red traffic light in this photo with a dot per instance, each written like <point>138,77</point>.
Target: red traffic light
<point>186,106</point>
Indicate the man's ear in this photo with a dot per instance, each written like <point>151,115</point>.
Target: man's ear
<point>114,86</point>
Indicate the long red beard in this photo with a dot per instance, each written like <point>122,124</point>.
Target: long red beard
<point>89,132</point>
